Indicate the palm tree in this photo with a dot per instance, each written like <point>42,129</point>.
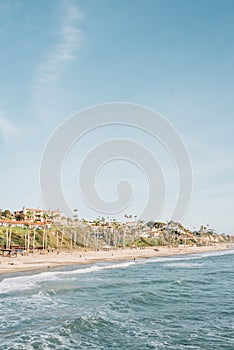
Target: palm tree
<point>71,238</point>
<point>96,232</point>
<point>75,215</point>
<point>62,237</point>
<point>8,215</point>
<point>44,239</point>
<point>34,238</point>
<point>27,238</point>
<point>116,233</point>
<point>28,246</point>
<point>29,215</point>
<point>124,239</point>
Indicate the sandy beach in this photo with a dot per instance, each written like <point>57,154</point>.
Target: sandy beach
<point>42,262</point>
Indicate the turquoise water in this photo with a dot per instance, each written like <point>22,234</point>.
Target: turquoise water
<point>183,302</point>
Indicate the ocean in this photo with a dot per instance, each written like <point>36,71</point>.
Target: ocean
<point>182,302</point>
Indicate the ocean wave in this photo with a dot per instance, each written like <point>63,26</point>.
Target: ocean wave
<point>96,268</point>
<point>196,256</point>
<point>217,253</point>
<point>182,265</point>
<point>22,283</point>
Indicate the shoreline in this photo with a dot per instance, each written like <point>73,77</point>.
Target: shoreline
<point>37,263</point>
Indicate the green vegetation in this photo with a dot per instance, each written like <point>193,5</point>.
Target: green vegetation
<point>101,234</point>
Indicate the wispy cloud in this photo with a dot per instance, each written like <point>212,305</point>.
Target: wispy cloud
<point>64,51</point>
<point>7,128</point>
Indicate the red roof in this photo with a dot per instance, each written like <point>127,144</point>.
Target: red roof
<point>15,222</point>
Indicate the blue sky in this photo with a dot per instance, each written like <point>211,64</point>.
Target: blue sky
<point>175,56</point>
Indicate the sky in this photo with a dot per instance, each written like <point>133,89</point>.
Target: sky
<point>173,56</point>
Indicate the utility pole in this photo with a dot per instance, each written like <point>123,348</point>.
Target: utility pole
<point>43,240</point>
<point>34,238</point>
<point>57,243</point>
<point>7,238</point>
<point>28,241</point>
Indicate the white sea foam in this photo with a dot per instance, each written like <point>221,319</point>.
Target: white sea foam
<point>217,253</point>
<point>170,259</point>
<point>181,258</point>
<point>29,282</point>
<point>182,264</point>
<point>25,282</point>
<point>99,268</point>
